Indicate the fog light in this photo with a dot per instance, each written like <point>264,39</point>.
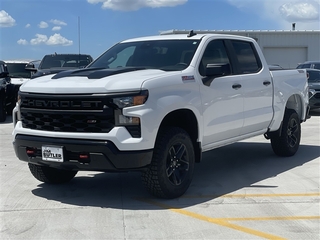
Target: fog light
<point>128,120</point>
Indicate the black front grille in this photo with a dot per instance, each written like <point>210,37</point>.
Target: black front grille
<point>73,113</point>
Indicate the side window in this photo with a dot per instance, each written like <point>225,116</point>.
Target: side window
<point>317,66</point>
<point>215,52</point>
<point>246,55</point>
<point>2,68</point>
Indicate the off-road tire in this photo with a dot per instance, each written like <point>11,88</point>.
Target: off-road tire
<point>51,175</point>
<point>286,141</point>
<point>3,114</point>
<point>172,166</point>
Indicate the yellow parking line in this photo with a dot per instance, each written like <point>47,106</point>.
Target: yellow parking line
<point>217,221</point>
<point>272,218</point>
<point>255,195</point>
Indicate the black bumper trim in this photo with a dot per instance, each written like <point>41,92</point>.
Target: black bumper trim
<point>104,155</point>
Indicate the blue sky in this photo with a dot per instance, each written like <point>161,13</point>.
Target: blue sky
<point>29,29</point>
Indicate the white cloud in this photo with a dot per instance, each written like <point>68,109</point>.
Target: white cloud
<point>28,25</point>
<point>57,39</point>
<point>40,39</point>
<point>305,13</point>
<point>22,42</point>
<point>6,20</point>
<point>130,5</point>
<point>58,22</point>
<point>43,24</point>
<point>300,11</point>
<point>56,28</point>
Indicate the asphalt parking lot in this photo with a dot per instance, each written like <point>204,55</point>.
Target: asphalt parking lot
<point>240,191</point>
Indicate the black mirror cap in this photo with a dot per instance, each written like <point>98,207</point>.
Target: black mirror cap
<point>30,67</point>
<point>218,69</point>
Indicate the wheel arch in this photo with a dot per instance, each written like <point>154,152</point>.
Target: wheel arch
<point>185,119</point>
<point>295,103</point>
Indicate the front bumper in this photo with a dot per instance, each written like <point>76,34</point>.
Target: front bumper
<point>103,155</point>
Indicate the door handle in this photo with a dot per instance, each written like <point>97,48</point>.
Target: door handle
<point>266,83</point>
<point>236,86</point>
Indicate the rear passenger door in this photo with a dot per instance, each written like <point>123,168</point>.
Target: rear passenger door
<point>256,85</point>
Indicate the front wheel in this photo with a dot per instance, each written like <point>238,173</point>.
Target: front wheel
<point>51,175</point>
<point>286,141</point>
<point>171,170</point>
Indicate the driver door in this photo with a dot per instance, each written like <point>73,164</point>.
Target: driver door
<point>222,99</point>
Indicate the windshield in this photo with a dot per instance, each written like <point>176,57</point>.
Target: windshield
<point>167,55</point>
<point>17,70</point>
<point>65,61</point>
<point>313,76</point>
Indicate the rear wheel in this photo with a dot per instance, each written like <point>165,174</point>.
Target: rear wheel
<point>51,175</point>
<point>171,170</point>
<point>286,141</point>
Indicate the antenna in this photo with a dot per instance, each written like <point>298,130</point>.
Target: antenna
<point>79,32</point>
<point>191,34</point>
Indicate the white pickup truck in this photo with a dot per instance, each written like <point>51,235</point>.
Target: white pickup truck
<point>154,104</point>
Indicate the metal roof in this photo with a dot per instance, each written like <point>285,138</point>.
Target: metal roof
<point>175,31</point>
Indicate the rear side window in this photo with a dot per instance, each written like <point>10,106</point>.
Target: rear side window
<point>248,60</point>
<point>304,66</point>
<point>317,65</point>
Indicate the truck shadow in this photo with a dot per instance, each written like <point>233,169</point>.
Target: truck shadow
<point>222,171</point>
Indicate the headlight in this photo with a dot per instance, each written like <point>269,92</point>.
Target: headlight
<point>128,101</point>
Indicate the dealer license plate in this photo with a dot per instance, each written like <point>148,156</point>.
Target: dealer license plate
<point>52,153</point>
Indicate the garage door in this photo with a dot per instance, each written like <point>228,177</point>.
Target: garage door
<point>286,57</point>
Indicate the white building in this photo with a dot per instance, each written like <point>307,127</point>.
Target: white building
<point>285,48</point>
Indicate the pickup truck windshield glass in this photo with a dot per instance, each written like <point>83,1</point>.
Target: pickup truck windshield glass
<point>65,61</point>
<point>17,70</point>
<point>167,55</point>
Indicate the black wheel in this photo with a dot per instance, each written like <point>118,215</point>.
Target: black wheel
<point>51,175</point>
<point>286,141</point>
<point>171,170</point>
<point>3,114</point>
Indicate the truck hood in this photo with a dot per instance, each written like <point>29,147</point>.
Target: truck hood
<point>93,80</point>
<point>19,80</point>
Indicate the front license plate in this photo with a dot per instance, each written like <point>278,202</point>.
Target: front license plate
<point>52,153</point>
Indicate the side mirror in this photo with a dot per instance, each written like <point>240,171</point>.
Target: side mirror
<point>30,67</point>
<point>218,69</point>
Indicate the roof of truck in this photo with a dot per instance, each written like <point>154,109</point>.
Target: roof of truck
<point>182,36</point>
<point>19,61</point>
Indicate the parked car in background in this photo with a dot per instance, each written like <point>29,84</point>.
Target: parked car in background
<point>7,99</point>
<point>314,88</point>
<point>310,64</point>
<point>55,63</point>
<point>18,73</point>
